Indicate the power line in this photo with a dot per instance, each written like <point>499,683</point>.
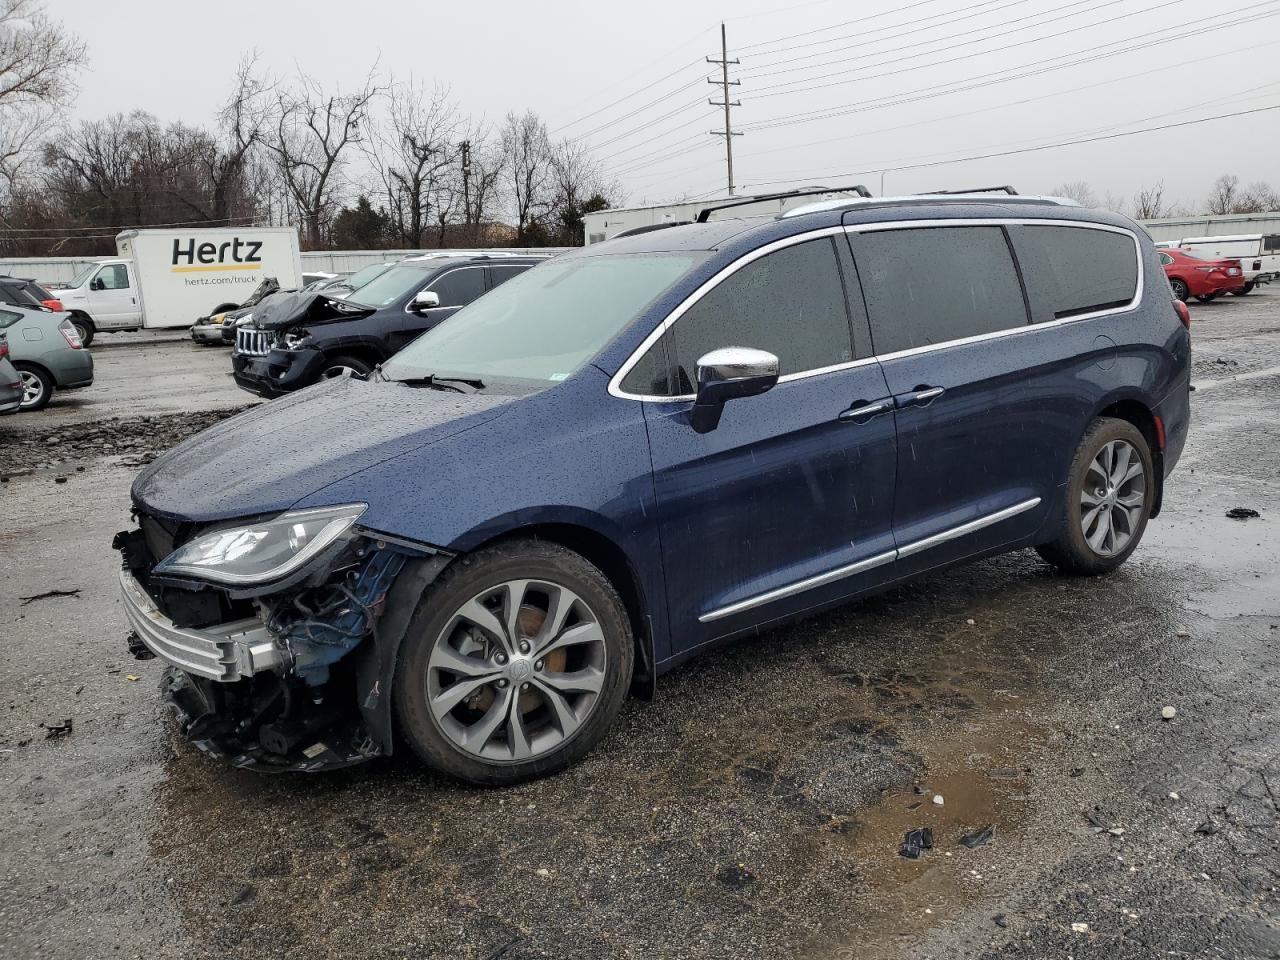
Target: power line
<point>845,23</point>
<point>1035,149</point>
<point>981,80</point>
<point>647,86</point>
<point>146,226</point>
<point>966,13</point>
<point>762,92</point>
<point>985,30</point>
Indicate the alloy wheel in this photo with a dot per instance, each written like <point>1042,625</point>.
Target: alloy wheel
<point>516,670</point>
<point>1113,498</point>
<point>32,389</point>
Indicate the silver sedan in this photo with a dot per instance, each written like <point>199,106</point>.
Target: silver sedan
<point>46,351</point>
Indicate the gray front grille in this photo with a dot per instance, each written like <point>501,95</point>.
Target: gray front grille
<point>251,342</point>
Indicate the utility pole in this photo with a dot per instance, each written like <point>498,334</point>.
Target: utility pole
<point>725,83</point>
<point>466,185</point>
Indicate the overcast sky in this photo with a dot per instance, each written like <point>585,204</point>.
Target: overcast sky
<point>893,69</point>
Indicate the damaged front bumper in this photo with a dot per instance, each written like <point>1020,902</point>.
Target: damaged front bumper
<point>278,372</point>
<point>282,676</point>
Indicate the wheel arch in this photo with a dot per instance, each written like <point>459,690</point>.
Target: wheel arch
<point>1137,411</point>
<point>378,660</point>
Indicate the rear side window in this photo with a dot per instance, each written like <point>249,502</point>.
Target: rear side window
<point>499,275</point>
<point>1271,244</point>
<point>790,303</point>
<point>457,288</point>
<point>935,284</point>
<point>1082,270</point>
<point>8,318</point>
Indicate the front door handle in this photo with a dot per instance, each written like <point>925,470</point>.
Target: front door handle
<point>862,411</point>
<point>919,397</point>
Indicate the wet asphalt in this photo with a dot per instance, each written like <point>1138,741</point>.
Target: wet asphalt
<point>755,808</point>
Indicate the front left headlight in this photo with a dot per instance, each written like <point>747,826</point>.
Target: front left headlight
<point>261,552</point>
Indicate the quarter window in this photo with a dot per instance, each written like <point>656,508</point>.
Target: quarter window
<point>8,318</point>
<point>935,284</point>
<point>790,303</point>
<point>457,288</point>
<point>1166,259</point>
<point>1082,270</point>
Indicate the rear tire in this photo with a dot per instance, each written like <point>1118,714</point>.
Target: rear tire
<point>37,387</point>
<point>1207,298</point>
<point>338,366</point>
<point>83,327</point>
<point>1180,289</point>
<point>1110,491</point>
<point>537,688</point>
<point>1243,291</point>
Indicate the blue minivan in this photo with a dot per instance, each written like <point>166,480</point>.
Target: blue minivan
<point>641,449</point>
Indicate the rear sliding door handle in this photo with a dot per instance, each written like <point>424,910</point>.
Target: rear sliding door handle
<point>921,396</point>
<point>862,411</point>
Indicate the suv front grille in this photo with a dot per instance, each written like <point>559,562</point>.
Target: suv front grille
<point>251,342</point>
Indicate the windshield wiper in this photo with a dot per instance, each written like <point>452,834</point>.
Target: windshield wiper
<point>434,382</point>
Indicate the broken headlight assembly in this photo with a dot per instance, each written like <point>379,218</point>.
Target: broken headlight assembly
<point>263,551</point>
<point>293,339</point>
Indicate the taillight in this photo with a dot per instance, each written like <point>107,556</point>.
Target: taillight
<point>1183,313</point>
<point>4,349</point>
<point>1257,264</point>
<point>54,305</point>
<point>69,333</point>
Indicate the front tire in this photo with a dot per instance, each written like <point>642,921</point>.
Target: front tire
<point>1180,289</point>
<point>345,366</point>
<point>37,387</point>
<point>1110,492</point>
<point>514,665</point>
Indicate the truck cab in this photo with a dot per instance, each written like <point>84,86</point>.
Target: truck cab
<point>103,296</point>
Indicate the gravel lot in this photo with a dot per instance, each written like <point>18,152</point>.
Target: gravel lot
<point>755,808</point>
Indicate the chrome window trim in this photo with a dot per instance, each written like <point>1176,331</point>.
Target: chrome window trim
<point>615,382</point>
<point>879,560</point>
<point>440,276</point>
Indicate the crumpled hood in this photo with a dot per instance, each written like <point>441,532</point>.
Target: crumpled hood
<point>268,458</point>
<point>282,311</point>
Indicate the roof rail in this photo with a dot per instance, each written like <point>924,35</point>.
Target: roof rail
<point>705,213</point>
<point>925,198</point>
<point>1003,189</point>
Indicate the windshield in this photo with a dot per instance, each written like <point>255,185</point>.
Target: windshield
<point>82,277</point>
<point>390,286</point>
<point>364,275</point>
<point>544,324</point>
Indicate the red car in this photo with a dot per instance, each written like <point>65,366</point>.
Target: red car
<point>1202,277</point>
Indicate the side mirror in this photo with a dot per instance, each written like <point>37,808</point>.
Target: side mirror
<point>425,300</point>
<point>727,374</point>
<point>96,284</point>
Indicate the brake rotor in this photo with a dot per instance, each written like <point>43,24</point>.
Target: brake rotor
<point>528,622</point>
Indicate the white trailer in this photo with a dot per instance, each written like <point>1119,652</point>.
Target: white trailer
<point>170,278</point>
<point>1258,253</point>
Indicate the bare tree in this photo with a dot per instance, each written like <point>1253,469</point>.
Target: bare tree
<point>1226,190</point>
<point>415,149</point>
<point>242,121</point>
<point>314,134</point>
<point>1115,203</point>
<point>39,61</point>
<point>1077,190</point>
<point>527,155</point>
<point>1148,202</point>
<point>1258,197</point>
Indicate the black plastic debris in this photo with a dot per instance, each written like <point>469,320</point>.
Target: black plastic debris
<point>1208,828</point>
<point>915,841</point>
<point>1243,513</point>
<point>1001,921</point>
<point>50,594</point>
<point>57,729</point>
<point>972,840</point>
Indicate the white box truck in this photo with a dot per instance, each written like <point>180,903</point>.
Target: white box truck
<point>170,278</point>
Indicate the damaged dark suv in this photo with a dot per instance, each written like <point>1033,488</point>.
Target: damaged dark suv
<point>296,341</point>
<point>644,448</point>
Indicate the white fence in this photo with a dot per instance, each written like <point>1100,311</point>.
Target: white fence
<point>61,269</point>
